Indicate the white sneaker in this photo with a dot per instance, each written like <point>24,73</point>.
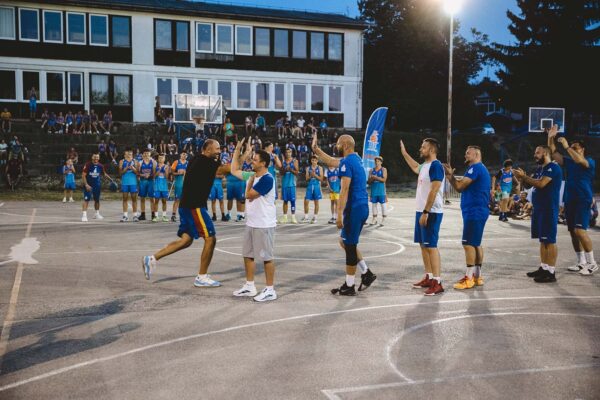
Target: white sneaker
<point>576,268</point>
<point>71,200</point>
<point>246,290</point>
<point>313,220</point>
<point>294,220</point>
<point>98,216</point>
<point>84,218</point>
<point>64,199</point>
<point>382,221</point>
<point>124,219</point>
<point>589,269</point>
<point>374,221</point>
<point>283,219</point>
<point>305,220</point>
<point>266,295</point>
<point>206,282</point>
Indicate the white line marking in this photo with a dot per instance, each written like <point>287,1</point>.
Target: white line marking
<point>262,323</point>
<point>14,296</point>
<point>23,252</point>
<point>1,204</point>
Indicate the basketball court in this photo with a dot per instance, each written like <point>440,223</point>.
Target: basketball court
<point>83,322</point>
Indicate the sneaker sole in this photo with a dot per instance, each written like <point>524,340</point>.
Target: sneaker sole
<point>434,294</point>
<point>206,286</point>
<point>266,299</point>
<point>249,294</point>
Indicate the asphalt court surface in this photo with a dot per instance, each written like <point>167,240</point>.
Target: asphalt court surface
<point>83,322</point>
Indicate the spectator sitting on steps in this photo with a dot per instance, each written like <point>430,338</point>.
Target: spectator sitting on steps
<point>6,117</point>
<point>107,122</point>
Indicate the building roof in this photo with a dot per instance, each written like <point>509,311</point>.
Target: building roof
<point>203,9</point>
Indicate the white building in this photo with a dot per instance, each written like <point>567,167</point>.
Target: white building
<point>120,54</point>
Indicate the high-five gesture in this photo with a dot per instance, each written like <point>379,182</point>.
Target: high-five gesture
<point>552,132</point>
<point>314,142</point>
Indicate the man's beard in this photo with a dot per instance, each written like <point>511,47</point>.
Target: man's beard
<point>467,162</point>
<point>539,161</point>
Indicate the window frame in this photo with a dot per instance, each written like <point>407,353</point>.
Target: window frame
<point>287,31</point>
<point>237,95</point>
<point>198,86</point>
<point>212,38</point>
<point>217,39</point>
<point>37,14</point>
<point>44,12</point>
<point>312,86</point>
<point>306,39</point>
<point>270,35</point>
<point>341,36</point>
<point>174,25</point>
<point>325,38</point>
<point>14,33</point>
<point>84,29</point>
<point>305,86</point>
<point>190,80</point>
<point>64,97</point>
<point>172,91</point>
<point>251,31</point>
<point>69,100</point>
<point>15,81</point>
<point>268,107</point>
<point>90,30</point>
<point>112,80</point>
<point>39,89</point>
<point>275,96</point>
<point>231,85</point>
<point>170,22</point>
<point>112,27</point>
<point>107,88</point>
<point>329,87</point>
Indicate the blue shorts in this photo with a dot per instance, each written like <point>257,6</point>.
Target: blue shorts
<point>578,215</point>
<point>129,188</point>
<point>69,185</point>
<point>288,193</point>
<point>313,192</point>
<point>379,199</point>
<point>236,190</point>
<point>544,225</point>
<point>428,235</point>
<point>216,192</point>
<point>146,188</point>
<point>178,191</point>
<point>354,221</point>
<point>92,194</point>
<point>473,232</point>
<point>161,194</point>
<point>33,105</point>
<point>195,222</point>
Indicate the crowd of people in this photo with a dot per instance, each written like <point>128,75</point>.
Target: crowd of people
<point>14,157</point>
<point>79,123</point>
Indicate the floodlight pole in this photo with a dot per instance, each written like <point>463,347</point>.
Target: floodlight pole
<point>449,130</point>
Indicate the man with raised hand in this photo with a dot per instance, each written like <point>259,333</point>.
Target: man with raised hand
<point>353,210</point>
<point>579,195</point>
<point>430,208</point>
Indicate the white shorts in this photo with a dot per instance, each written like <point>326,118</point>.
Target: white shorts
<point>258,243</point>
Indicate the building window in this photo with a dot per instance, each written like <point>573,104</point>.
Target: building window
<point>335,98</point>
<point>162,35</point>
<point>243,40</point>
<point>224,39</point>
<point>75,86</point>
<point>55,87</point>
<point>8,89</point>
<point>299,101</point>
<point>224,90</point>
<point>7,23</point>
<point>184,86</point>
<point>120,32</point>
<point>335,47</point>
<point>279,96</point>
<point>262,36</point>
<point>317,45</point>
<point>29,25</point>
<point>204,38</point>
<point>75,28</point>
<point>316,98</point>
<point>98,30</point>
<point>99,91</point>
<point>164,90</point>
<point>182,36</point>
<point>31,80</point>
<point>53,27</point>
<point>281,43</point>
<point>262,95</point>
<point>202,87</point>
<point>121,90</point>
<point>243,95</point>
<point>299,44</point>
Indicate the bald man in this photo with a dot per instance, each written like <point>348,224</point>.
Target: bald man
<point>353,210</point>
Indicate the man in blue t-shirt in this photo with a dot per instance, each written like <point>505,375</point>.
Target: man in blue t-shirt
<point>353,210</point>
<point>578,198</point>
<point>546,184</point>
<point>475,189</point>
<point>91,177</point>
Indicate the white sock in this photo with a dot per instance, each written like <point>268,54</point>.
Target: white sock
<point>550,269</point>
<point>438,279</point>
<point>97,212</point>
<point>580,257</point>
<point>362,265</point>
<point>384,209</point>
<point>589,257</point>
<point>430,275</point>
<point>85,213</point>
<point>163,213</point>
<point>545,266</point>
<point>201,276</point>
<point>349,280</point>
<point>250,283</point>
<point>470,269</point>
<point>125,214</point>
<point>269,288</point>
<point>152,258</point>
<point>374,208</point>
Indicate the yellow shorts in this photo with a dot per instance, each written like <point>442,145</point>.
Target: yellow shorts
<point>334,196</point>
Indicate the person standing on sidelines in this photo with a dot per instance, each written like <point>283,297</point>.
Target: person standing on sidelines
<point>69,173</point>
<point>178,170</point>
<point>129,169</point>
<point>261,220</point>
<point>290,170</point>
<point>353,210</point>
<point>546,183</point>
<point>274,165</point>
<point>314,176</point>
<point>147,174</point>
<point>216,193</point>
<point>161,188</point>
<point>235,191</point>
<point>475,187</point>
<point>377,180</point>
<point>92,172</point>
<point>430,209</point>
<point>579,195</point>
<point>333,183</point>
<point>506,179</point>
<point>194,220</point>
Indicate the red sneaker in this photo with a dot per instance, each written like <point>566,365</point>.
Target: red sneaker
<point>424,283</point>
<point>435,288</point>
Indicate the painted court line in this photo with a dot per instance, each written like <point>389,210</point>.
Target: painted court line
<point>268,322</point>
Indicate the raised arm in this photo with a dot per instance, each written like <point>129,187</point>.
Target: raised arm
<point>577,158</point>
<point>324,157</point>
<point>414,166</point>
<point>236,167</point>
<point>556,156</point>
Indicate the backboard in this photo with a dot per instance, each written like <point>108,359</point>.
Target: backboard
<point>541,118</point>
<point>198,107</point>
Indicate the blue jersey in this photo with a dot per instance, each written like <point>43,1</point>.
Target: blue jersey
<point>377,187</point>
<point>93,173</point>
<point>352,167</point>
<point>129,177</point>
<point>548,197</point>
<point>475,199</point>
<point>580,180</point>
<point>178,166</point>
<point>314,181</point>
<point>246,166</point>
<point>506,180</point>
<point>289,179</point>
<point>160,179</point>
<point>272,169</point>
<point>333,177</point>
<point>69,175</point>
<point>146,169</point>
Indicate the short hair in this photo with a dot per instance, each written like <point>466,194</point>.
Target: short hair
<point>580,142</point>
<point>546,149</point>
<point>264,157</point>
<point>146,150</point>
<point>128,149</point>
<point>379,158</point>
<point>207,143</point>
<point>474,147</point>
<point>507,163</point>
<point>314,157</point>
<point>433,143</point>
<point>267,144</point>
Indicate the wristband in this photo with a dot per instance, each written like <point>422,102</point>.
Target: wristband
<point>425,212</point>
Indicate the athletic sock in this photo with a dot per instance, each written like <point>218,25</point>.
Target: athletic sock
<point>438,279</point>
<point>545,267</point>
<point>374,208</point>
<point>384,209</point>
<point>125,214</point>
<point>85,213</point>
<point>97,212</point>
<point>429,275</point>
<point>580,257</point>
<point>470,271</point>
<point>269,288</point>
<point>201,276</point>
<point>349,280</point>
<point>477,271</point>
<point>164,213</point>
<point>550,269</point>
<point>362,265</point>
<point>250,283</point>
<point>589,257</point>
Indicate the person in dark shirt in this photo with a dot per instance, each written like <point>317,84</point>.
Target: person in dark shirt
<point>14,171</point>
<point>194,219</point>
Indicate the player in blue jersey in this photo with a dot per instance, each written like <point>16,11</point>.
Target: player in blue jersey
<point>377,180</point>
<point>275,163</point>
<point>314,177</point>
<point>216,193</point>
<point>579,195</point>
<point>333,184</point>
<point>178,169</point>
<point>129,170</point>
<point>92,172</point>
<point>69,174</point>
<point>475,187</point>
<point>353,210</point>
<point>161,188</point>
<point>506,179</point>
<point>147,170</point>
<point>289,170</point>
<point>546,183</point>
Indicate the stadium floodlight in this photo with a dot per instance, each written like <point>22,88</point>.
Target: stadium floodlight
<point>452,6</point>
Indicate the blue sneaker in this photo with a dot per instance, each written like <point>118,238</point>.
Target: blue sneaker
<point>239,218</point>
<point>207,281</point>
<point>148,264</point>
<point>227,217</point>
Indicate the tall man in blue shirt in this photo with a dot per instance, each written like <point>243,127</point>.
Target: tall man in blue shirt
<point>578,198</point>
<point>475,189</point>
<point>546,184</point>
<point>353,210</point>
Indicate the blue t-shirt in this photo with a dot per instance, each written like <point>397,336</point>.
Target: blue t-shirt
<point>475,198</point>
<point>352,168</point>
<point>377,187</point>
<point>69,175</point>
<point>580,180</point>
<point>93,173</point>
<point>548,197</point>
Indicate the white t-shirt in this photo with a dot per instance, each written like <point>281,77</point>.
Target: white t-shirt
<point>428,172</point>
<point>261,212</point>
<point>301,123</point>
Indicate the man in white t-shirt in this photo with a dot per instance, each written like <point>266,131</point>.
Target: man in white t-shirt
<point>430,200</point>
<point>261,220</point>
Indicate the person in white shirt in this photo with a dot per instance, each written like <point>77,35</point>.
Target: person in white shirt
<point>261,220</point>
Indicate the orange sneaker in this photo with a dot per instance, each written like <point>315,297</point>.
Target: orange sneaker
<point>464,283</point>
<point>478,280</point>
<point>435,288</point>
